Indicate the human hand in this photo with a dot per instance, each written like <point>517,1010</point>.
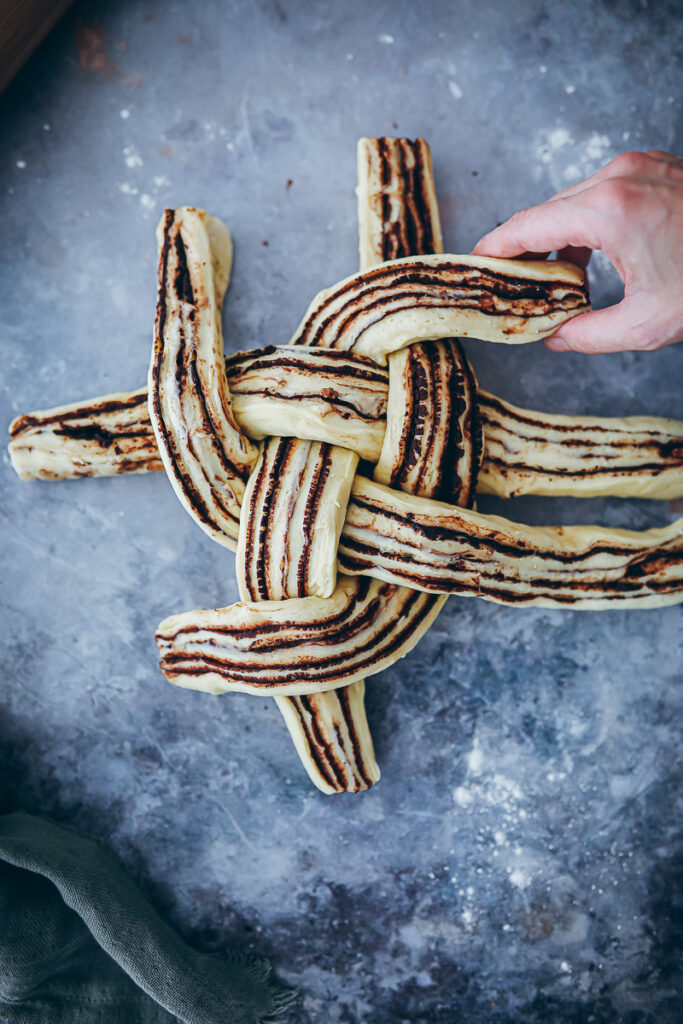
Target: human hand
<point>633,211</point>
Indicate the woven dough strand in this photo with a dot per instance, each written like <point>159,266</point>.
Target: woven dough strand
<point>205,455</point>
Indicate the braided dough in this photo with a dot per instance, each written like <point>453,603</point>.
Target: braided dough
<point>433,441</point>
<point>301,645</point>
<point>305,633</point>
<point>292,518</point>
<point>578,456</point>
<point>441,549</point>
<point>206,456</point>
<point>424,298</point>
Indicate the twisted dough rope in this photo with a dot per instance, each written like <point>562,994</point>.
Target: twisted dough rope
<point>431,437</point>
<point>431,426</point>
<point>445,550</point>
<point>289,391</point>
<point>299,645</point>
<point>206,457</point>
<point>85,426</point>
<point>466,553</point>
<point>529,452</point>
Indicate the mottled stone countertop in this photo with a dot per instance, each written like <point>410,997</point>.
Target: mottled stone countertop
<point>520,859</point>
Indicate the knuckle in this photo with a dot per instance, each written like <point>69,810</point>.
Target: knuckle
<point>633,163</point>
<point>615,196</point>
<point>519,217</point>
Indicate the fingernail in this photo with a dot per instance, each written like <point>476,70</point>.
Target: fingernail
<point>557,344</point>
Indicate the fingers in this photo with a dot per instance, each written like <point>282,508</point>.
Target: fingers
<point>553,225</point>
<point>627,325</point>
<point>667,158</point>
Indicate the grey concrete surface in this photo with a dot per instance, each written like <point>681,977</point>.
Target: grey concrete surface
<point>520,860</point>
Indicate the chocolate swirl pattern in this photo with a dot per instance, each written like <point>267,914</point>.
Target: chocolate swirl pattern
<point>433,441</point>
<point>398,214</point>
<point>331,736</point>
<point>292,517</point>
<point>524,452</point>
<point>106,436</point>
<point>442,549</point>
<point>205,455</point>
<point>426,298</point>
<point>303,645</point>
<point>305,633</point>
<point>315,394</point>
<point>539,453</point>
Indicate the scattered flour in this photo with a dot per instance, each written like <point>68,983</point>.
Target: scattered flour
<point>551,144</point>
<point>587,155</point>
<point>132,157</point>
<point>475,758</point>
<point>520,878</point>
<point>386,40</point>
<point>463,796</point>
<point>148,197</point>
<point>455,90</point>
<point>597,148</point>
<point>124,114</point>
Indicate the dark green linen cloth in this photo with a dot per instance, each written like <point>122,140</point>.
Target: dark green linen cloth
<point>80,944</point>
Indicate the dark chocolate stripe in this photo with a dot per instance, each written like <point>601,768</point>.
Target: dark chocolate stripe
<point>538,586</point>
<point>340,405</point>
<point>313,498</point>
<point>347,370</point>
<point>654,468</point>
<point>487,284</point>
<point>261,553</point>
<point>411,233</point>
<point>462,536</point>
<point>428,300</point>
<point>251,520</point>
<point>420,195</point>
<point>473,428</point>
<point>264,629</point>
<point>672,449</point>
<point>413,230</point>
<point>327,632</point>
<point>345,705</point>
<point>229,467</point>
<point>490,401</point>
<point>190,492</point>
<point>313,751</point>
<point>316,670</point>
<point>182,282</point>
<point>321,752</point>
<point>385,177</point>
<point>187,484</point>
<point>29,422</point>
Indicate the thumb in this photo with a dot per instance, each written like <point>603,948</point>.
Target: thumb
<point>614,329</point>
